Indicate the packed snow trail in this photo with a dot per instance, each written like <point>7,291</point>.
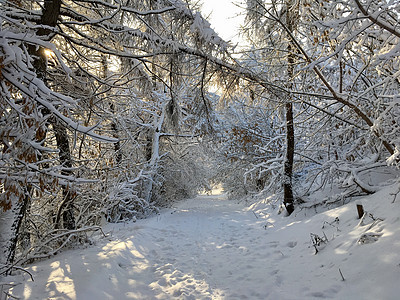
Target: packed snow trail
<point>214,248</point>
<point>194,251</point>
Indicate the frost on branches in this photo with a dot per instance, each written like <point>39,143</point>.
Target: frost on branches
<point>96,99</point>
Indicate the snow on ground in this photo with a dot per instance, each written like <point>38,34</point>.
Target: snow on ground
<point>214,248</point>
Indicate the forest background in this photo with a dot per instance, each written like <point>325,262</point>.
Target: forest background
<point>110,110</point>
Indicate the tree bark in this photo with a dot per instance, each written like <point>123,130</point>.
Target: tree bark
<point>117,145</point>
<point>66,207</point>
<point>20,210</point>
<point>50,14</point>
<point>288,200</point>
<point>114,127</point>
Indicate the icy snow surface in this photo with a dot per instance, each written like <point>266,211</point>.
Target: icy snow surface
<point>214,248</point>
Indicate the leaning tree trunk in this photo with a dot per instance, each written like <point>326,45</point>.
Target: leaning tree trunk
<point>50,14</point>
<point>66,208</point>
<point>288,199</point>
<point>20,212</point>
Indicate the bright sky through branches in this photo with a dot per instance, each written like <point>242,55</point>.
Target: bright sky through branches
<point>224,17</point>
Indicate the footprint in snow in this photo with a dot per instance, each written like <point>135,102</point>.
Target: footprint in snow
<point>274,272</point>
<point>278,280</point>
<point>273,244</point>
<point>368,238</point>
<point>162,282</point>
<point>166,267</point>
<point>154,253</point>
<point>167,248</point>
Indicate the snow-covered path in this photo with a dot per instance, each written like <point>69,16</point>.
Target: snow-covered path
<point>213,248</point>
<point>206,248</point>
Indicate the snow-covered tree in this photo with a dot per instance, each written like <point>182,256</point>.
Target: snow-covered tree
<point>91,95</point>
<point>334,67</point>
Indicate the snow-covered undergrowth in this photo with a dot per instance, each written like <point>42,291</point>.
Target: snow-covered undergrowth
<point>214,248</point>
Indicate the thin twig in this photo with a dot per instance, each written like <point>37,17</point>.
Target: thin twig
<point>255,215</point>
<point>18,268</point>
<point>11,296</point>
<point>395,195</point>
<point>24,270</point>
<point>341,274</point>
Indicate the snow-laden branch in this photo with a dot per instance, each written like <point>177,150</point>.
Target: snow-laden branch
<point>10,53</point>
<point>16,71</point>
<point>125,8</point>
<point>345,100</point>
<point>45,102</point>
<point>374,18</point>
<point>354,176</point>
<point>38,253</point>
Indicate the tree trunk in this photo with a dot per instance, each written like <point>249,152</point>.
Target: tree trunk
<point>50,14</point>
<point>288,200</point>
<point>66,207</point>
<point>117,145</point>
<point>20,213</point>
<point>289,160</point>
<point>114,127</point>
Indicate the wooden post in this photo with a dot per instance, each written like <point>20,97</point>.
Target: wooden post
<point>360,211</point>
